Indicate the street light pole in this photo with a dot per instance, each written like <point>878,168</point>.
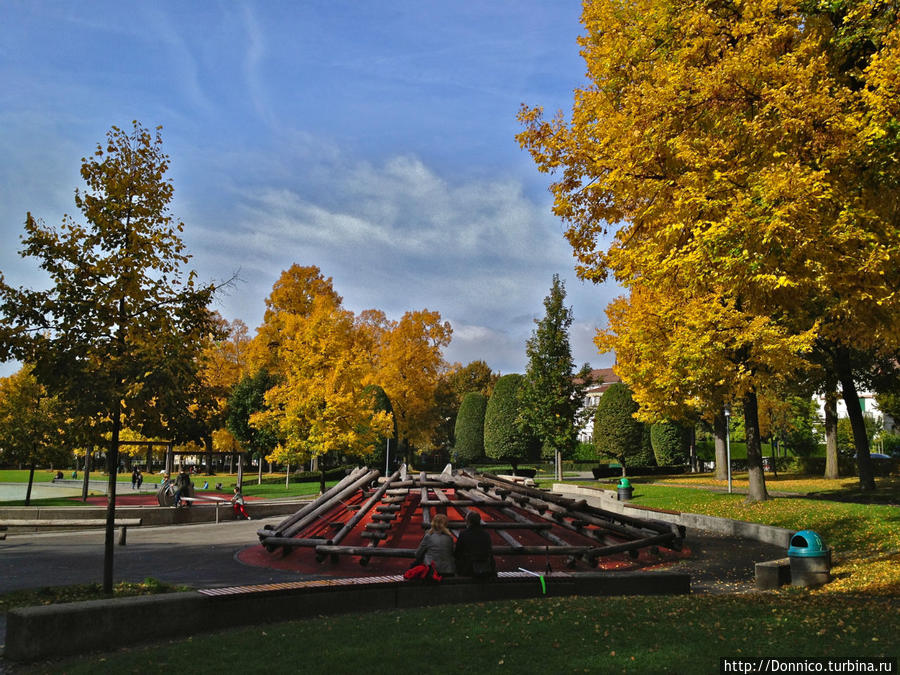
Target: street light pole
<point>728,444</point>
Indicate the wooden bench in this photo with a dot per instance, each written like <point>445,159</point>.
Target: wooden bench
<point>121,523</point>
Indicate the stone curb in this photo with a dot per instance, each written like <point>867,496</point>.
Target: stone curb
<point>607,500</point>
<point>149,515</point>
<point>51,631</point>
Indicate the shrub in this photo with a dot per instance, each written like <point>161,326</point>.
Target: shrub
<point>616,433</point>
<point>505,438</point>
<point>671,443</point>
<point>470,428</point>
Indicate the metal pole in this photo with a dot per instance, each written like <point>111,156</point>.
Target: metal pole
<point>387,455</point>
<point>728,444</point>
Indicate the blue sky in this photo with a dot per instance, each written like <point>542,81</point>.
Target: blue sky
<point>372,139</point>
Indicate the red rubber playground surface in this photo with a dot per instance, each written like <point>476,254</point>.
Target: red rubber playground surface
<point>406,531</point>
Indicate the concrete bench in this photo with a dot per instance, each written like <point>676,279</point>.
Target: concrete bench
<point>121,523</point>
<point>773,573</point>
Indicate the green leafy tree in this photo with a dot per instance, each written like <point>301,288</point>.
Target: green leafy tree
<point>249,397</point>
<point>553,394</point>
<point>505,437</point>
<point>470,428</point>
<point>116,334</point>
<point>617,433</point>
<point>454,383</point>
<point>670,442</point>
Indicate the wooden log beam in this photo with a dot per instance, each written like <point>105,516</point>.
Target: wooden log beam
<point>423,499</point>
<point>321,505</point>
<point>271,543</point>
<point>549,536</point>
<point>580,505</point>
<point>500,525</point>
<point>365,551</point>
<point>293,518</point>
<point>365,508</point>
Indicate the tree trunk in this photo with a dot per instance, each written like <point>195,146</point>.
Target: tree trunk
<point>720,430</point>
<point>559,471</point>
<point>259,463</point>
<point>757,479</point>
<point>515,467</point>
<point>322,480</point>
<point>831,447</point>
<point>208,441</point>
<point>857,423</point>
<point>30,483</point>
<point>88,456</point>
<point>692,451</point>
<point>112,463</point>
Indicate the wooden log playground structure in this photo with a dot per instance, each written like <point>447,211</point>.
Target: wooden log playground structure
<point>369,516</point>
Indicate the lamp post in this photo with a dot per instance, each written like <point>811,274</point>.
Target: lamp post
<point>387,456</point>
<point>728,443</point>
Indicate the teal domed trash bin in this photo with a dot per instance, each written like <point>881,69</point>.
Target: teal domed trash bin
<point>624,490</point>
<point>810,559</point>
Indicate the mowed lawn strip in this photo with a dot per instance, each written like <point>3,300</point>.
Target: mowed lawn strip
<point>676,634</point>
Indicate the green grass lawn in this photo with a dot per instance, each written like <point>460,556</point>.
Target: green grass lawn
<point>674,634</point>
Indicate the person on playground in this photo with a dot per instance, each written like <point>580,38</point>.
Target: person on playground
<point>140,479</point>
<point>437,547</point>
<point>134,475</point>
<point>237,504</point>
<point>182,487</point>
<point>474,553</point>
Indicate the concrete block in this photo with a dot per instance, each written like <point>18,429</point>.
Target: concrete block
<point>773,573</point>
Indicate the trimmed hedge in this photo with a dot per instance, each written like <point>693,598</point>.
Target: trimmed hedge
<point>470,428</point>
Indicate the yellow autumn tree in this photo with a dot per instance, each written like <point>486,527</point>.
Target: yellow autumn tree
<point>293,294</point>
<point>320,404</point>
<point>407,363</point>
<point>745,152</point>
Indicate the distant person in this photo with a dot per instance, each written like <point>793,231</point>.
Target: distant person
<point>437,547</point>
<point>474,552</point>
<point>140,479</point>
<point>59,475</point>
<point>134,475</point>
<point>182,488</point>
<point>75,474</point>
<point>237,504</point>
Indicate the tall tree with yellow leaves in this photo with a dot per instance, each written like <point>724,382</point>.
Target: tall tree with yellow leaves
<point>408,361</point>
<point>320,404</point>
<point>745,151</point>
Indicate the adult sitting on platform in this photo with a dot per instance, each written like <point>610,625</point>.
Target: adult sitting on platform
<point>437,547</point>
<point>474,553</point>
<point>182,487</point>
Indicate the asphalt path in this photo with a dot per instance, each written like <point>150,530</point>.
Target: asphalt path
<point>200,556</point>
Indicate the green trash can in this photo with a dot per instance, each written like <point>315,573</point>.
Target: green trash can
<point>624,490</point>
<point>810,559</point>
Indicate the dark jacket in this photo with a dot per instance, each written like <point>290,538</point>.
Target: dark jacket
<point>474,553</point>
